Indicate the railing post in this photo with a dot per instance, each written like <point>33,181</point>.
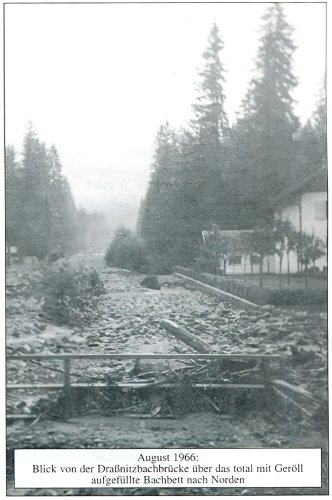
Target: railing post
<point>68,410</point>
<point>267,383</point>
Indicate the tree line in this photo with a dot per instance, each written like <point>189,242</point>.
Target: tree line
<point>40,210</point>
<point>42,219</point>
<point>211,172</point>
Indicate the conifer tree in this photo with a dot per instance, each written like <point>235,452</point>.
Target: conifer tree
<point>36,199</point>
<point>268,120</point>
<point>211,123</point>
<point>13,181</point>
<point>157,217</point>
<point>311,142</point>
<point>40,211</point>
<point>63,211</point>
<point>319,125</point>
<point>210,131</point>
<point>203,158</point>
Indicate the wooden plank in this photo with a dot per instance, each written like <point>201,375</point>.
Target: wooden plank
<point>22,416</point>
<point>293,388</point>
<point>67,374</point>
<point>149,417</point>
<point>291,400</point>
<point>265,368</point>
<point>52,387</point>
<point>179,357</point>
<point>216,292</point>
<point>67,389</point>
<point>188,338</point>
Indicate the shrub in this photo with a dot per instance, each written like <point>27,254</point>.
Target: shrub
<point>71,294</point>
<point>126,251</point>
<point>206,263</point>
<point>294,297</point>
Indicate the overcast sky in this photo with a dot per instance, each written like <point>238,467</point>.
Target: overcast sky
<point>99,79</point>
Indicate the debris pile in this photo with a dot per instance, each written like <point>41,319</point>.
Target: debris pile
<point>129,320</point>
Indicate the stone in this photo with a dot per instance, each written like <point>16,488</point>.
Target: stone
<point>220,308</point>
<point>274,443</point>
<point>151,282</point>
<point>267,307</point>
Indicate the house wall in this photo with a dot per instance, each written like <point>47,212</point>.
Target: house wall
<point>245,267</point>
<point>314,221</point>
<point>311,213</point>
<point>314,214</point>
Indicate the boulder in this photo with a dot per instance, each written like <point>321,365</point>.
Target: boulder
<point>151,282</point>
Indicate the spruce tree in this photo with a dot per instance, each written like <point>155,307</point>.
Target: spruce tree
<point>268,121</point>
<point>36,199</point>
<point>157,217</point>
<point>210,131</point>
<point>211,122</point>
<point>311,142</point>
<point>13,182</point>
<point>319,125</point>
<point>63,211</point>
<point>201,195</point>
<point>47,217</point>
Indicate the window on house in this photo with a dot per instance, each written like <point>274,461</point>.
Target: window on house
<point>255,259</point>
<point>321,210</point>
<point>235,260</point>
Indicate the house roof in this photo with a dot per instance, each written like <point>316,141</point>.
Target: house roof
<point>316,182</point>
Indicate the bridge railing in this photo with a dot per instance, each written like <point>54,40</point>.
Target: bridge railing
<point>67,358</point>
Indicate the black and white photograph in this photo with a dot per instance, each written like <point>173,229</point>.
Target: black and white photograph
<point>166,248</point>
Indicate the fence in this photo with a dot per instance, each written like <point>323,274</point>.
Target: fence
<point>67,385</point>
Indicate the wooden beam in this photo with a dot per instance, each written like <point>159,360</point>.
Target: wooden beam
<point>179,357</point>
<point>67,389</point>
<point>293,388</point>
<point>291,400</point>
<point>22,416</point>
<point>188,338</point>
<point>51,387</point>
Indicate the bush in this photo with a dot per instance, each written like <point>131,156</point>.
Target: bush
<point>71,294</point>
<point>206,263</point>
<point>127,251</point>
<point>295,297</point>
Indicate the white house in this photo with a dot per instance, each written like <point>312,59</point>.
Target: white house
<point>237,260</point>
<point>305,208</point>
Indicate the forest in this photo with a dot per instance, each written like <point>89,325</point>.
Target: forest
<point>42,219</point>
<point>213,173</point>
<point>209,173</point>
